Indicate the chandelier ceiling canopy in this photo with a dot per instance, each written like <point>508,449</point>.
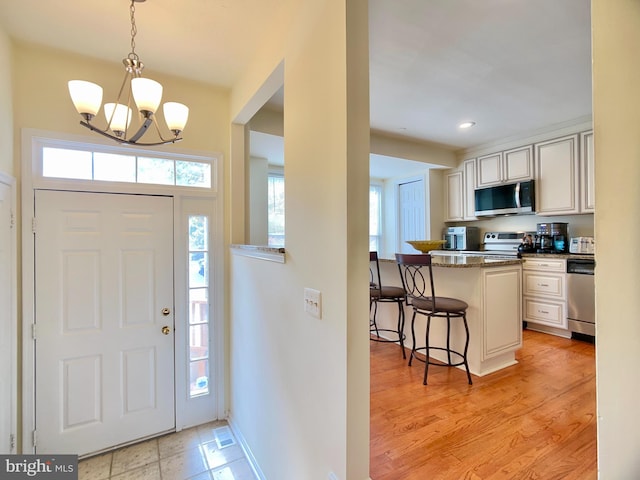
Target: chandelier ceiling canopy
<point>145,93</point>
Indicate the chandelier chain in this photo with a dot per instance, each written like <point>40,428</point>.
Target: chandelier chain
<point>134,30</point>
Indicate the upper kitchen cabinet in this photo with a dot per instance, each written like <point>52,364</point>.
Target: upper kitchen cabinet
<point>504,167</point>
<point>469,182</point>
<point>557,167</point>
<point>454,196</point>
<point>587,166</point>
<point>459,195</point>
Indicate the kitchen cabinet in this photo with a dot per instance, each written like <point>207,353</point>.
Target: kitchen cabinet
<point>557,176</point>
<point>505,167</point>
<point>489,169</point>
<point>459,196</point>
<point>469,181</point>
<point>454,196</point>
<point>587,173</point>
<point>544,295</point>
<point>501,333</point>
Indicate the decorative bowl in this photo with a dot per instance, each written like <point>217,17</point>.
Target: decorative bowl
<point>425,246</point>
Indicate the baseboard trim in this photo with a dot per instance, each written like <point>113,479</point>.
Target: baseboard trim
<point>245,448</point>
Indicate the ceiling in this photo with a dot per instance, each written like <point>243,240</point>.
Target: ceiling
<point>511,66</point>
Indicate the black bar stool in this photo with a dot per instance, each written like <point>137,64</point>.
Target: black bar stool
<point>417,280</point>
<point>380,293</point>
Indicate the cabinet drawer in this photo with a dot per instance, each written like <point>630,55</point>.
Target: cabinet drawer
<point>544,264</point>
<point>544,284</point>
<point>547,313</point>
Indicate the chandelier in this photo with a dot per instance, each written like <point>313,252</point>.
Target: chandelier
<point>144,92</point>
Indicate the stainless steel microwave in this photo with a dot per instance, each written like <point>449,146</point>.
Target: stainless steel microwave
<point>505,199</point>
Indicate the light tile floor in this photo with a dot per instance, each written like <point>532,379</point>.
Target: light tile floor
<point>191,454</point>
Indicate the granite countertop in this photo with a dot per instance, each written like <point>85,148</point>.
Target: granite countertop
<point>469,261</point>
<point>579,256</point>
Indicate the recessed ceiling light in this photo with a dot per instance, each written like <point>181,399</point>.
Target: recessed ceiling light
<point>466,125</point>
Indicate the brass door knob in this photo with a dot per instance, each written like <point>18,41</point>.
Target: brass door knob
<point>166,330</point>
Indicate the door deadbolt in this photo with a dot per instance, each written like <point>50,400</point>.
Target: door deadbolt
<point>166,330</point>
<point>166,311</point>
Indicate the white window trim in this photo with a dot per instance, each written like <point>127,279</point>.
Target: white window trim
<point>32,142</point>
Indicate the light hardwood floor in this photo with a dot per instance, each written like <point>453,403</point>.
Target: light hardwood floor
<point>534,420</point>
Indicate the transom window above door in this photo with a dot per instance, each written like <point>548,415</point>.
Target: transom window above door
<point>117,167</point>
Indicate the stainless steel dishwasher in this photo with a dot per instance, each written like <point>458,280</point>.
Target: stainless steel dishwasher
<point>581,311</point>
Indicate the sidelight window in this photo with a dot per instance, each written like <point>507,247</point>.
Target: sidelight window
<point>199,359</point>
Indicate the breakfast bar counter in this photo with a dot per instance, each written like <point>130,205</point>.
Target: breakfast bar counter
<point>492,288</point>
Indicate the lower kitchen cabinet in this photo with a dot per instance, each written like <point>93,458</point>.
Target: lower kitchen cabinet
<point>545,295</point>
<point>501,333</point>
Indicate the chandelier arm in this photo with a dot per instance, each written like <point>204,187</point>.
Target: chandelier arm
<point>124,141</point>
<point>142,130</point>
<point>155,124</point>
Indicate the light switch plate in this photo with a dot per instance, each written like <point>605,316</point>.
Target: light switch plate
<point>313,302</point>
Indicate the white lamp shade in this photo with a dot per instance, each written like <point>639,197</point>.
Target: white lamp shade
<point>147,93</point>
<point>86,96</point>
<point>176,116</point>
<point>121,116</point>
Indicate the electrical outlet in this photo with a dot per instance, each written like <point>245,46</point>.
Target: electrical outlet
<point>313,302</point>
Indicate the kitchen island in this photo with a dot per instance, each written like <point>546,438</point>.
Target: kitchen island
<point>492,288</point>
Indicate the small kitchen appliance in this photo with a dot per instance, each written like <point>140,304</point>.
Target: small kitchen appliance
<point>582,245</point>
<point>461,238</point>
<point>552,238</point>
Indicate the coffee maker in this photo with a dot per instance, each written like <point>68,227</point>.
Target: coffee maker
<point>552,238</point>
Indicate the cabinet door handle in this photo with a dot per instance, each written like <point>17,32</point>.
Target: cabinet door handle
<point>543,311</point>
<point>543,284</point>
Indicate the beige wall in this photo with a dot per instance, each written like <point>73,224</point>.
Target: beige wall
<point>616,76</point>
<point>302,377</point>
<point>6,107</point>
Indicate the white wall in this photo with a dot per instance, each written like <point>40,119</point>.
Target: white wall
<point>616,76</point>
<point>300,385</point>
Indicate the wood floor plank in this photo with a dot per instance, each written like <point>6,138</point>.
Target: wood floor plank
<point>534,420</point>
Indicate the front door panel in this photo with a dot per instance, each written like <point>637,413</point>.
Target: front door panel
<point>104,275</point>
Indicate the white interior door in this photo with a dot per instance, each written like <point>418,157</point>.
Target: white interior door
<point>412,214</point>
<point>7,329</point>
<point>104,277</point>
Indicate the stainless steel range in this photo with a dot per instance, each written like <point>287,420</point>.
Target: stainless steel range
<point>502,243</point>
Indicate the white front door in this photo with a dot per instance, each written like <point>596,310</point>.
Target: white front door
<point>104,295</point>
<point>7,350</point>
